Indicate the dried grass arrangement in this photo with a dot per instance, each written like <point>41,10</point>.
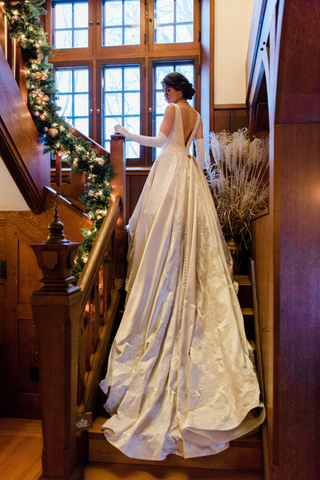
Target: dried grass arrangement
<point>238,180</point>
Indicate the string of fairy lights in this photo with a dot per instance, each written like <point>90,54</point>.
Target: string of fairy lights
<point>25,26</point>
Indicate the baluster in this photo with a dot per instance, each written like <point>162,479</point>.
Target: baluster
<point>77,187</point>
<point>118,160</point>
<point>58,173</point>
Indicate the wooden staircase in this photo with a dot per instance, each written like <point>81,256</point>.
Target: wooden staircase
<point>244,454</point>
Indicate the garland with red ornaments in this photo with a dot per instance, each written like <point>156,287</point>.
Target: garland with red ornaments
<point>24,22</point>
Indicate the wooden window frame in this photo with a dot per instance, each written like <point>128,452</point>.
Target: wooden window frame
<point>66,53</point>
<point>174,47</point>
<point>125,62</point>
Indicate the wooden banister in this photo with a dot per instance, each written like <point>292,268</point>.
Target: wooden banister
<point>98,148</point>
<point>91,268</point>
<point>20,147</point>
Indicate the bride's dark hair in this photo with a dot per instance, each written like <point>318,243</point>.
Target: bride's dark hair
<point>179,82</point>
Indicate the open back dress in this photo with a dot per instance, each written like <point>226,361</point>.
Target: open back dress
<point>180,378</point>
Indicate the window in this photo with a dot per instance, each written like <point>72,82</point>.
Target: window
<point>173,21</point>
<point>73,86</point>
<point>111,58</point>
<point>70,24</point>
<point>121,103</point>
<point>121,22</point>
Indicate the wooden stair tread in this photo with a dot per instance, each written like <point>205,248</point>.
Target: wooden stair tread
<point>254,439</point>
<point>247,311</point>
<point>242,279</point>
<point>244,453</point>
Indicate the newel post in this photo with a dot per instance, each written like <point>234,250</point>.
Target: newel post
<point>118,183</point>
<point>54,309</point>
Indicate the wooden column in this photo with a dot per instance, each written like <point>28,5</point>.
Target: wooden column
<point>55,311</point>
<point>118,161</point>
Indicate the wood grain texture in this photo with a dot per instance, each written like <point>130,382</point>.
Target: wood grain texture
<point>230,118</point>
<point>19,142</point>
<point>19,343</point>
<point>262,252</point>
<point>16,435</point>
<point>297,301</point>
<point>298,89</point>
<point>96,471</point>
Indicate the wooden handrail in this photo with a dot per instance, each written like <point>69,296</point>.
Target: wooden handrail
<point>98,148</point>
<point>91,268</point>
<point>20,147</point>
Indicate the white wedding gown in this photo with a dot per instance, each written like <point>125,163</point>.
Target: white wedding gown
<point>179,380</point>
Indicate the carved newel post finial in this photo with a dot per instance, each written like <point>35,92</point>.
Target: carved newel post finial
<point>56,234</point>
<point>55,257</point>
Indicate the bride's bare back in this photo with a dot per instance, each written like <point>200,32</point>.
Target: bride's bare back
<point>189,117</point>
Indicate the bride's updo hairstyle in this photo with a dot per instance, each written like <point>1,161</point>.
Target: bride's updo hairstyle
<point>179,82</point>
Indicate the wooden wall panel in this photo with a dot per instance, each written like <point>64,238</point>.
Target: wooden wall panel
<point>262,253</point>
<point>297,300</point>
<point>230,117</point>
<point>136,179</point>
<point>23,277</point>
<point>28,373</point>
<point>29,273</point>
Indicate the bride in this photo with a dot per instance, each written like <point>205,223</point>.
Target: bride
<point>180,379</point>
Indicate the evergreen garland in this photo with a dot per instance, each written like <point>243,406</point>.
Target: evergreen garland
<point>25,26</point>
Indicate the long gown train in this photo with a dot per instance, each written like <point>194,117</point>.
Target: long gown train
<point>180,379</point>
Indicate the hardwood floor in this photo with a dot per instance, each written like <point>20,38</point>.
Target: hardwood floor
<point>20,459</point>
<point>20,449</point>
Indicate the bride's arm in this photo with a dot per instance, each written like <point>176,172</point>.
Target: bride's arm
<point>157,141</point>
<point>198,138</point>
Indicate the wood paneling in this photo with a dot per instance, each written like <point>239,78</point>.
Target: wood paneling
<point>28,368</point>
<point>262,252</point>
<point>230,117</point>
<point>135,180</point>
<point>297,300</point>
<point>18,341</point>
<point>28,273</point>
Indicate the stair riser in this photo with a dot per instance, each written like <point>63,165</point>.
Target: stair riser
<point>234,458</point>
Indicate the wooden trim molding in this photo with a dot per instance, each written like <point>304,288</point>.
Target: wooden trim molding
<point>20,148</point>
